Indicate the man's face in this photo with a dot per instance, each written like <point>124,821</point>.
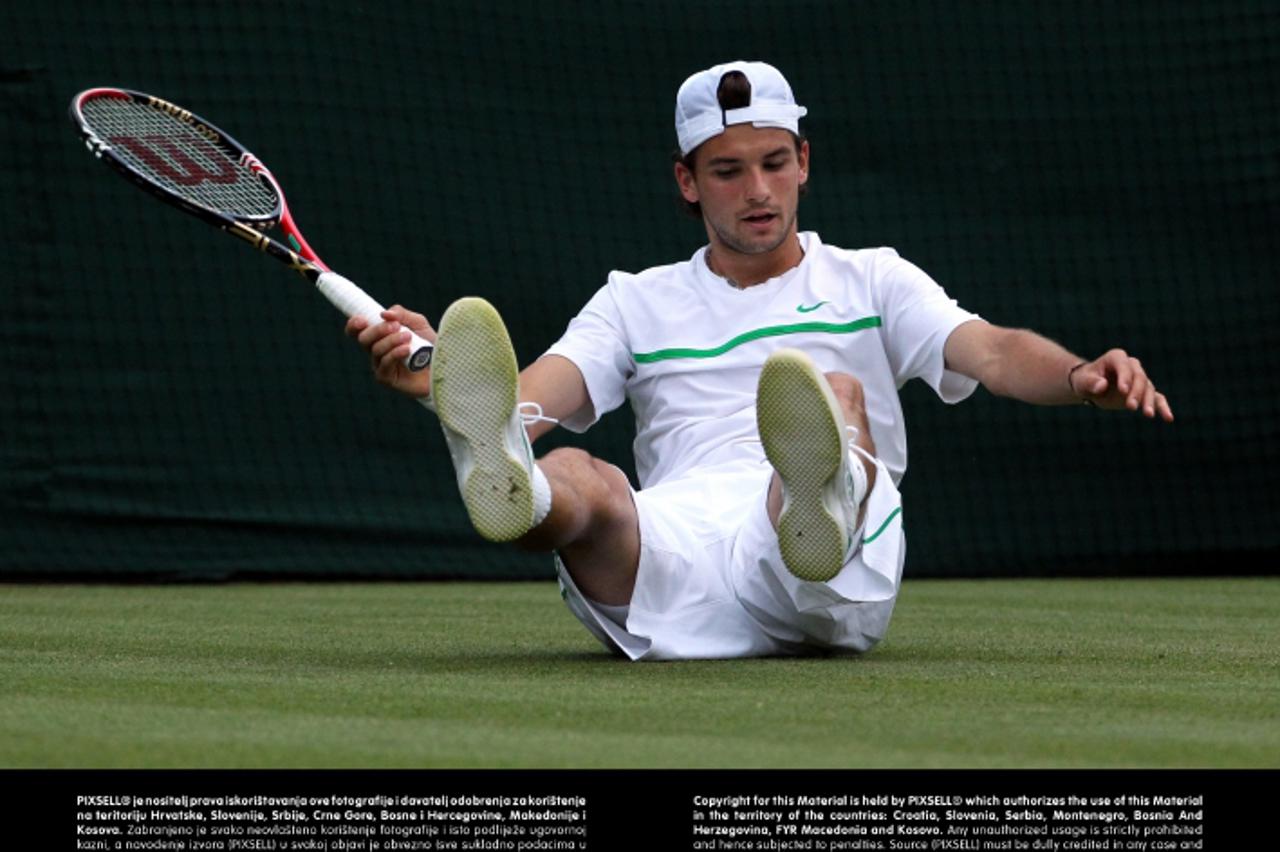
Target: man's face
<point>748,182</point>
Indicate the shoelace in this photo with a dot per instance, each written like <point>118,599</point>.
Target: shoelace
<point>533,414</point>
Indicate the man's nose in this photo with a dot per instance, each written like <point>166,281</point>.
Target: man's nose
<point>757,186</point>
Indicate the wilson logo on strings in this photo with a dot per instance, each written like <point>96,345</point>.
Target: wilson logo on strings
<point>176,164</point>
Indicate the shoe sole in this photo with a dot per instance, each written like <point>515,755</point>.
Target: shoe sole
<point>803,435</point>
<point>474,382</point>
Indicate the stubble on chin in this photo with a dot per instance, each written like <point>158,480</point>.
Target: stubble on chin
<point>733,243</point>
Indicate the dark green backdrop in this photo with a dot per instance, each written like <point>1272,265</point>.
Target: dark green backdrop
<point>1106,173</point>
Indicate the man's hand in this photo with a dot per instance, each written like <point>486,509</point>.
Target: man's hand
<point>387,343</point>
<point>1117,381</point>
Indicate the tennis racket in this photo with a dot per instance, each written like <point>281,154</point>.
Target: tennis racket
<point>188,162</point>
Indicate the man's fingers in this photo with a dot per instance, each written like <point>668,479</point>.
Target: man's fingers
<point>1143,392</point>
<point>355,325</point>
<point>374,333</point>
<point>411,319</point>
<point>391,362</point>
<point>1119,381</point>
<point>1149,400</point>
<point>1089,380</point>
<point>1138,385</point>
<point>394,338</point>
<point>1119,364</point>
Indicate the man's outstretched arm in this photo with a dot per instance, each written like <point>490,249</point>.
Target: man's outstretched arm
<point>1023,365</point>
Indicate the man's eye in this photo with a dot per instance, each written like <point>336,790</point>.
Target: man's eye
<point>726,173</point>
<point>774,166</point>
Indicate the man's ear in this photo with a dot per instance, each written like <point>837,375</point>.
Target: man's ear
<point>802,157</point>
<point>688,185</point>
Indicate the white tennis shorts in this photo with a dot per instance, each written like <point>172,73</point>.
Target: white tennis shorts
<point>711,582</point>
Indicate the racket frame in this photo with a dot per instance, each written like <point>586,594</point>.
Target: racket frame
<point>248,228</point>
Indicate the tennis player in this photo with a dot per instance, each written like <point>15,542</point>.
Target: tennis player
<point>764,373</point>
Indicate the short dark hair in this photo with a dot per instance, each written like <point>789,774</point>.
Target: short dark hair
<point>734,92</point>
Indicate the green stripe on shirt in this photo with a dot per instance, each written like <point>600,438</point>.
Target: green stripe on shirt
<point>756,334</point>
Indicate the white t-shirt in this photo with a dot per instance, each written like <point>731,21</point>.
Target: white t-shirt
<point>686,349</point>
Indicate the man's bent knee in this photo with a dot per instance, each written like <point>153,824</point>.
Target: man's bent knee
<point>565,459</point>
<point>595,529</point>
<point>587,496</point>
<point>849,393</point>
<point>846,388</point>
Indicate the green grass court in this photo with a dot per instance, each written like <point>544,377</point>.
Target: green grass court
<point>1026,673</point>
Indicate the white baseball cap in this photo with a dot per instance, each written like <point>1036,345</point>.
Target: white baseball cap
<point>699,116</point>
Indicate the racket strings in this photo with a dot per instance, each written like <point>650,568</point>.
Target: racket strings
<point>173,155</point>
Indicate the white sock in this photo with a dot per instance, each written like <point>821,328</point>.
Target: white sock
<point>859,473</point>
<point>856,468</point>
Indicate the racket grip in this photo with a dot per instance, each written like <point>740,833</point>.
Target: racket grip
<point>353,302</point>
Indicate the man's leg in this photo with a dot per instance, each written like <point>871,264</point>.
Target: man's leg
<point>592,525</point>
<point>568,502</point>
<point>816,496</point>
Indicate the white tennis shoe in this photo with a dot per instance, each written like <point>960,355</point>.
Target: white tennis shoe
<point>475,386</point>
<point>810,446</point>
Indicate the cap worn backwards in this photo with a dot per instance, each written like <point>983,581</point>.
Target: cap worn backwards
<point>699,115</point>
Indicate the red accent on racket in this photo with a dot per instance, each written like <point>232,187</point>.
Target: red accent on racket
<point>191,164</point>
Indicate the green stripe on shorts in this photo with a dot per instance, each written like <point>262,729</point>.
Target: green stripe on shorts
<point>875,535</point>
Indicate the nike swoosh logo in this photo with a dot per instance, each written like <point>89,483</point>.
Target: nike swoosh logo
<point>804,310</point>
